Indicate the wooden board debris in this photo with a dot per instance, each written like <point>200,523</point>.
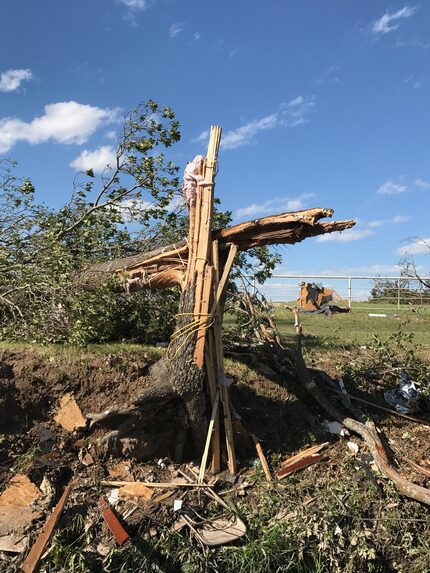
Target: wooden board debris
<point>14,543</point>
<point>299,465</point>
<point>69,415</point>
<point>16,505</point>
<point>118,531</point>
<point>157,485</point>
<point>36,552</point>
<point>135,489</point>
<point>303,454</point>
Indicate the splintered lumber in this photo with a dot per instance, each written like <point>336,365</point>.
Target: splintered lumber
<point>208,439</point>
<point>200,262</point>
<point>118,531</point>
<point>36,552</point>
<point>157,485</point>
<point>303,454</point>
<point>299,465</point>
<point>262,457</point>
<point>135,489</point>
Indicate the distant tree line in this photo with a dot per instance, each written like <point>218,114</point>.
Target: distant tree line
<point>408,289</point>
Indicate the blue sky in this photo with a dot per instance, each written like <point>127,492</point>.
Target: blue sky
<point>322,104</point>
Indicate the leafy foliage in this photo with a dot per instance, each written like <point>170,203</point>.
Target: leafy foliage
<point>128,210</point>
<point>42,250</point>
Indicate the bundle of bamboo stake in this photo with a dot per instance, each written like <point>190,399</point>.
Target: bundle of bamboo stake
<point>204,274</point>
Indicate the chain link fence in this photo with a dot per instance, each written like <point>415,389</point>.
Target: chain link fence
<point>363,292</point>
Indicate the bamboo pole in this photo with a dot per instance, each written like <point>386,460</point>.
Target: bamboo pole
<point>208,439</point>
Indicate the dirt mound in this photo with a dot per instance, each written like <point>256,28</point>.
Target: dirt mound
<point>31,383</point>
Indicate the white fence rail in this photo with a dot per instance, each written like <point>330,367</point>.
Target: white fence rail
<point>403,292</point>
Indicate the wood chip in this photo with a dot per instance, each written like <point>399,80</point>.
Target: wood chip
<point>135,489</point>
<point>69,415</point>
<point>16,509</point>
<point>299,465</point>
<point>303,454</point>
<point>14,543</point>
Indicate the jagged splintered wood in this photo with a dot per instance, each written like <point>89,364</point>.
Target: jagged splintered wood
<point>167,267</point>
<point>200,266</point>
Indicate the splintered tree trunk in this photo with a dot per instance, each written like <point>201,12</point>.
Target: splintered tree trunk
<point>183,378</point>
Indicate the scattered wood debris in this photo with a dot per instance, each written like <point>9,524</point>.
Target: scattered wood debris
<point>135,489</point>
<point>14,543</point>
<point>301,460</point>
<point>118,531</point>
<point>36,552</point>
<point>16,505</point>
<point>69,415</point>
<point>155,484</point>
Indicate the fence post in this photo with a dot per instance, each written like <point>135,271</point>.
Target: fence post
<point>349,292</point>
<point>398,293</point>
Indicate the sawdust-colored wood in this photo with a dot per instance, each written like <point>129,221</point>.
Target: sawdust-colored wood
<point>208,439</point>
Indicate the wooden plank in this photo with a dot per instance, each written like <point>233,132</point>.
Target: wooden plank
<point>157,485</point>
<point>262,457</point>
<point>203,252</point>
<point>113,523</point>
<point>224,277</point>
<point>204,318</point>
<point>303,454</point>
<point>212,383</point>
<point>228,427</point>
<point>299,465</point>
<point>36,552</point>
<point>208,439</point>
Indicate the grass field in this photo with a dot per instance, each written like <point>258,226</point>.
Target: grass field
<point>355,328</point>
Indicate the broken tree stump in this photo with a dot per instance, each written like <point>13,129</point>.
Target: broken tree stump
<point>191,375</point>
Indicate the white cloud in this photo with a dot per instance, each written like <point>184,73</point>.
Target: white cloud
<point>417,247</point>
<point>245,134</point>
<point>135,4</point>
<point>202,138</point>
<point>133,7</point>
<point>291,114</point>
<point>412,82</point>
<point>374,224</point>
<point>346,236</point>
<point>276,205</point>
<point>422,184</point>
<point>400,219</point>
<point>196,36</point>
<point>63,122</point>
<point>12,79</point>
<point>96,160</point>
<point>380,222</point>
<point>385,24</point>
<point>414,41</point>
<point>390,188</point>
<point>371,270</point>
<point>175,29</point>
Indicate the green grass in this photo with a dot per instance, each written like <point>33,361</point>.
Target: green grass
<point>356,328</point>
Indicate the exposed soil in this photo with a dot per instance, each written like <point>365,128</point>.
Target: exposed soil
<point>271,406</point>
